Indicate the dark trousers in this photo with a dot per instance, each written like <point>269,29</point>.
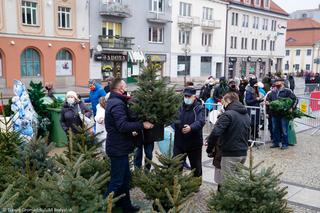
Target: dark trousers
<point>148,149</point>
<point>270,126</point>
<point>280,129</point>
<point>195,158</point>
<point>120,179</point>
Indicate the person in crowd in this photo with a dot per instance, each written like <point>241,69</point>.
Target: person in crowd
<point>269,116</point>
<point>119,144</point>
<point>99,119</point>
<point>233,87</point>
<point>206,90</point>
<point>242,88</point>
<point>70,118</point>
<point>280,123</point>
<point>49,88</point>
<point>96,92</point>
<point>261,90</point>
<point>107,87</point>
<point>220,90</point>
<point>216,155</point>
<point>253,100</point>
<point>188,138</point>
<point>292,82</point>
<point>267,81</point>
<point>233,130</point>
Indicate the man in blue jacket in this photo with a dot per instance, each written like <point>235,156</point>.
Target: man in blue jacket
<point>120,127</point>
<point>96,91</point>
<point>188,137</point>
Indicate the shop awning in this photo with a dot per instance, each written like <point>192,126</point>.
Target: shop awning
<point>136,56</point>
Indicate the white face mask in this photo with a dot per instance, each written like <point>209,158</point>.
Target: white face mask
<point>188,101</point>
<point>71,100</point>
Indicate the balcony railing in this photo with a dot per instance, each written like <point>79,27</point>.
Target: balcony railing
<point>188,21</point>
<point>157,18</point>
<point>114,9</point>
<point>211,24</point>
<point>115,42</point>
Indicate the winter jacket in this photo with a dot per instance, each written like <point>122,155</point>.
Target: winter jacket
<point>70,118</point>
<point>220,91</point>
<point>192,115</point>
<point>119,125</point>
<point>94,97</point>
<point>251,97</point>
<point>282,93</point>
<point>100,126</point>
<point>233,129</point>
<point>205,92</point>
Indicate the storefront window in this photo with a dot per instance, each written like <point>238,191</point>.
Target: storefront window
<point>63,63</point>
<point>183,65</point>
<point>30,63</point>
<point>206,64</point>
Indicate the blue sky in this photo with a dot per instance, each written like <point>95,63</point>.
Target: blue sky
<point>292,5</point>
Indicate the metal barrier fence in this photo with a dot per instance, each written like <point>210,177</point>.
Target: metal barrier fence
<point>309,106</point>
<point>308,88</point>
<point>259,122</point>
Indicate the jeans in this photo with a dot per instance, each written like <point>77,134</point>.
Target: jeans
<point>280,130</point>
<point>120,180</point>
<point>194,156</point>
<point>148,149</point>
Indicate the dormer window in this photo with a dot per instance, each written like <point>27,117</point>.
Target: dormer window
<point>267,4</point>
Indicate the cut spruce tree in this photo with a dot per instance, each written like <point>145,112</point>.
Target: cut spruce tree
<point>161,183</point>
<point>154,102</point>
<point>250,189</point>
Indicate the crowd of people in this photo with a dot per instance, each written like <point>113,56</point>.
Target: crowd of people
<point>122,133</point>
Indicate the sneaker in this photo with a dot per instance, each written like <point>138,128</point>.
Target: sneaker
<point>274,146</point>
<point>284,147</point>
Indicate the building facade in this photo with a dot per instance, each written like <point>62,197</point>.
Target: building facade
<point>302,46</point>
<point>256,37</point>
<point>302,14</point>
<point>44,41</point>
<point>198,39</point>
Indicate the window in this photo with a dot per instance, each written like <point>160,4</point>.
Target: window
<point>298,52</point>
<point>185,9</point>
<point>64,17</point>
<point>184,37</point>
<point>257,2</point>
<point>255,22</point>
<point>267,3</point>
<point>234,20</point>
<point>263,44</point>
<point>206,39</point>
<point>207,13</point>
<point>309,51</point>
<point>272,45</point>
<point>245,21</point>
<point>273,25</point>
<point>30,63</point>
<point>287,52</point>
<point>183,65</point>
<point>156,34</point>
<point>297,67</point>
<point>308,67</point>
<point>304,15</point>
<point>265,24</point>
<point>156,6</point>
<point>244,43</point>
<point>233,42</point>
<point>111,29</point>
<point>254,44</point>
<point>286,66</point>
<point>29,13</point>
<point>63,63</point>
<point>206,66</point>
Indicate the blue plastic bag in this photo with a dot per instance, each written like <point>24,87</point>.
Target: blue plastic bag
<point>166,146</point>
<point>209,104</point>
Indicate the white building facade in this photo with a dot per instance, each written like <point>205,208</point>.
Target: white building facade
<point>256,38</point>
<point>197,39</point>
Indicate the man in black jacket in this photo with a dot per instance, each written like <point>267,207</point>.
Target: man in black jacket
<point>233,130</point>
<point>188,131</point>
<point>120,127</point>
<point>220,90</point>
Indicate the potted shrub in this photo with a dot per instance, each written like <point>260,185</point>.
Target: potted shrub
<point>154,102</point>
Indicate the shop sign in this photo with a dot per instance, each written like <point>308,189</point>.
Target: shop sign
<point>113,57</point>
<point>156,58</point>
<point>63,67</point>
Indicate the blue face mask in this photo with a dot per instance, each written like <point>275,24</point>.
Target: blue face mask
<point>188,101</point>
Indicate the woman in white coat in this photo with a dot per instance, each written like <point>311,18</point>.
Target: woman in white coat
<point>100,126</point>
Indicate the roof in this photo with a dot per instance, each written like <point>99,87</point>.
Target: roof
<point>299,24</point>
<point>274,8</point>
<point>303,32</point>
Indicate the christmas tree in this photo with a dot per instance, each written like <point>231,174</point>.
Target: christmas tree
<point>153,101</point>
<point>36,95</point>
<point>164,179</point>
<point>7,200</point>
<point>250,190</point>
